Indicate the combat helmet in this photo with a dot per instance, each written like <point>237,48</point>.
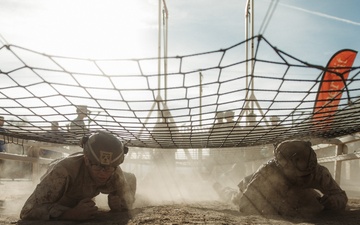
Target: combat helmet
<point>104,148</point>
<point>296,155</point>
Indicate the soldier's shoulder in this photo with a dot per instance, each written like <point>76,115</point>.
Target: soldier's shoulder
<point>70,162</point>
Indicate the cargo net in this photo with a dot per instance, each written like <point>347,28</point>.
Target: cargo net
<point>215,99</point>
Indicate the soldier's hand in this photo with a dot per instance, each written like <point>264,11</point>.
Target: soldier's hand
<point>84,210</point>
<point>115,202</point>
<point>329,202</point>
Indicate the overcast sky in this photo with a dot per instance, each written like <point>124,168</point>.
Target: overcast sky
<point>308,29</point>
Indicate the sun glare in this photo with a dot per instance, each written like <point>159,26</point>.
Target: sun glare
<point>97,29</point>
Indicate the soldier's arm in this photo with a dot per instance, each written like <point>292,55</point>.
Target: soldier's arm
<point>124,196</point>
<point>334,198</point>
<point>42,204</point>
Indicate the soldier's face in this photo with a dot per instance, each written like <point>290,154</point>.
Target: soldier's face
<point>101,177</point>
<point>301,170</point>
<point>99,174</point>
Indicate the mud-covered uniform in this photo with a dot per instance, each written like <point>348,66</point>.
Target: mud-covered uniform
<point>67,183</point>
<point>291,184</point>
<point>270,192</point>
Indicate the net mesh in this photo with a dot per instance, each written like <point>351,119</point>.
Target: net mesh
<point>214,99</point>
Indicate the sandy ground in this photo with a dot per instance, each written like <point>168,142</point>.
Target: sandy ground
<point>14,193</point>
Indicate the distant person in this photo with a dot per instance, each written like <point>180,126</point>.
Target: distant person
<point>55,126</point>
<point>229,119</point>
<point>219,121</point>
<point>275,121</point>
<point>66,190</point>
<point>54,135</point>
<point>217,126</point>
<point>2,130</point>
<point>275,124</point>
<point>277,129</point>
<point>252,123</point>
<point>291,184</point>
<point>78,125</point>
<point>231,128</point>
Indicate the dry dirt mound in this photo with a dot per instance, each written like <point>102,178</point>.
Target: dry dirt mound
<point>147,212</point>
<point>198,213</point>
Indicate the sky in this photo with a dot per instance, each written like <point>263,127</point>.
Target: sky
<point>98,29</point>
<point>122,29</point>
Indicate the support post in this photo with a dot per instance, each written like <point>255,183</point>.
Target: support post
<point>337,163</point>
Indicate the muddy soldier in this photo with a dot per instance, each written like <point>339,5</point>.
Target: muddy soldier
<point>67,189</point>
<point>287,184</point>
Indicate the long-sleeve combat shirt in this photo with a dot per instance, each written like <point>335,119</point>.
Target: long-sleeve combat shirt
<point>270,192</point>
<point>66,184</point>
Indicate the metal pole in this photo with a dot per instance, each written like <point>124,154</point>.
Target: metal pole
<point>159,49</point>
<point>166,15</point>
<point>249,20</point>
<point>246,37</point>
<point>200,100</point>
<point>252,56</point>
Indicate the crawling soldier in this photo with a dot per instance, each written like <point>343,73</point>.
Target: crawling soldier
<point>291,184</point>
<point>67,189</point>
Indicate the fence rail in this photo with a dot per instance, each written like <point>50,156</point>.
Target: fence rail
<point>341,147</point>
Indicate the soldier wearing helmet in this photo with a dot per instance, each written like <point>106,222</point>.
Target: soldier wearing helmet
<point>77,125</point>
<point>67,189</point>
<point>287,184</point>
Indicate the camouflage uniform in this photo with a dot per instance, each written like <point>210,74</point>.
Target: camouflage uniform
<point>270,192</point>
<point>67,183</point>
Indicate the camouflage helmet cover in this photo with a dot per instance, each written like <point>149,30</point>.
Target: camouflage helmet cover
<point>103,148</point>
<point>296,154</point>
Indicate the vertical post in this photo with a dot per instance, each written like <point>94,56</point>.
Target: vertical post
<point>159,48</point>
<point>165,25</point>
<point>35,153</point>
<point>337,164</point>
<point>252,56</point>
<point>200,100</point>
<point>249,19</point>
<point>252,44</point>
<point>247,45</point>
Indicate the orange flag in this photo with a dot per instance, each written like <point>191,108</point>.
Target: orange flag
<point>332,84</point>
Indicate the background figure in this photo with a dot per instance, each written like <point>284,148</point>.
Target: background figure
<point>55,126</point>
<point>2,130</point>
<point>276,125</point>
<point>219,121</point>
<point>53,135</point>
<point>56,133</point>
<point>252,123</point>
<point>274,121</point>
<point>229,119</point>
<point>78,125</point>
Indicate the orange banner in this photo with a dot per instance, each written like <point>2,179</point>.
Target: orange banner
<point>332,84</point>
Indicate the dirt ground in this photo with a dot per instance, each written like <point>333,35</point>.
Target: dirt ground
<point>14,193</point>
